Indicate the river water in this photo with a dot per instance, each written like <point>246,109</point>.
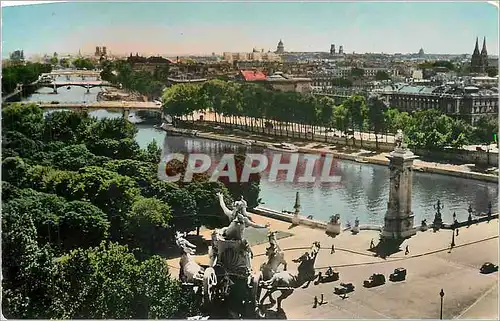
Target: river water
<point>362,191</point>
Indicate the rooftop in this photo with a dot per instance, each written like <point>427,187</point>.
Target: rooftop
<point>253,75</point>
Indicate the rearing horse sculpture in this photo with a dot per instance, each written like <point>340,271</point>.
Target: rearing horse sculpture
<point>275,258</point>
<point>190,271</point>
<point>286,282</point>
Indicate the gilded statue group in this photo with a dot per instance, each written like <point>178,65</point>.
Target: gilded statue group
<point>230,262</point>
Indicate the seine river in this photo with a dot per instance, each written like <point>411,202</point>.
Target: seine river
<point>362,191</point>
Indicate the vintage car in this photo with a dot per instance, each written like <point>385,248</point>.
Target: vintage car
<point>398,275</point>
<point>374,280</point>
<point>344,288</point>
<point>488,267</point>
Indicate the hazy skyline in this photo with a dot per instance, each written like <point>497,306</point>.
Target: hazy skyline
<point>206,27</point>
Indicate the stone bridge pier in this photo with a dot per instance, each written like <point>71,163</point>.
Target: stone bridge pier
<point>88,89</point>
<point>55,89</point>
<point>126,113</point>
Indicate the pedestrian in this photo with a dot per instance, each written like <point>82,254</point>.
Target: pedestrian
<point>407,251</point>
<point>322,300</point>
<point>315,305</point>
<point>371,244</point>
<point>333,249</point>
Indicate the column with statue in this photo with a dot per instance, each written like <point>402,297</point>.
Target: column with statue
<point>399,218</point>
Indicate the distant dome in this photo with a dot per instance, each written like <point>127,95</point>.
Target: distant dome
<point>280,43</point>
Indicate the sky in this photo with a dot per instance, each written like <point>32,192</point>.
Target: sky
<point>175,28</point>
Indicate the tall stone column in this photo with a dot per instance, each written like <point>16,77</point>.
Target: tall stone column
<point>399,218</point>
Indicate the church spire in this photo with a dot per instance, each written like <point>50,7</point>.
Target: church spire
<point>476,49</point>
<point>483,51</point>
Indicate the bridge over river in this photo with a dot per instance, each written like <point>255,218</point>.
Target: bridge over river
<point>78,73</point>
<point>88,84</point>
<point>124,106</point>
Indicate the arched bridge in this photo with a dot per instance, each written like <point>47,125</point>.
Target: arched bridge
<point>124,106</point>
<point>84,84</point>
<point>78,73</point>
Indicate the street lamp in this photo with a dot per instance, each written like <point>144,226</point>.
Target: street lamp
<point>441,294</point>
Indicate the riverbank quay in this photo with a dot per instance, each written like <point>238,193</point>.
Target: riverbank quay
<point>361,156</point>
<point>478,154</point>
<point>430,265</point>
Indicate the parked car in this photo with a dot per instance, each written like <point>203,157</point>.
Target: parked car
<point>488,267</point>
<point>344,288</point>
<point>374,280</point>
<point>398,275</point>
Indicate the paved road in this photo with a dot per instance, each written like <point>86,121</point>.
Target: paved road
<point>467,292</point>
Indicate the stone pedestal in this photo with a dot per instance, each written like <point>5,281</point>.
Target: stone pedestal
<point>399,219</point>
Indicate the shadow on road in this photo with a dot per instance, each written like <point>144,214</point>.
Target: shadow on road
<point>386,248</point>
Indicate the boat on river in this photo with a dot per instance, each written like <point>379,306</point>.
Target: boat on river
<point>283,147</point>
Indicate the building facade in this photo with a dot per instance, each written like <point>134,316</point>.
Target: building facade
<point>468,103</point>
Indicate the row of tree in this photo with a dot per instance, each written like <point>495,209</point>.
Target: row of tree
<point>144,82</point>
<point>258,108</point>
<point>22,74</point>
<point>84,217</point>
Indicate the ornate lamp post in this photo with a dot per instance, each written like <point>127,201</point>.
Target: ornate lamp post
<point>469,218</point>
<point>441,294</point>
<point>438,221</point>
<point>296,214</point>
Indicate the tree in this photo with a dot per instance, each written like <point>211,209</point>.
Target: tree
<point>83,63</point>
<point>356,107</point>
<point>107,282</point>
<point>492,71</point>
<point>74,157</point>
<point>249,190</point>
<point>376,110</point>
<point>67,126</point>
<point>29,276</point>
<point>26,119</point>
<point>82,225</point>
<point>54,61</point>
<point>64,62</point>
<point>207,203</point>
<point>357,72</point>
<point>147,223</point>
<point>396,120</point>
<point>14,170</point>
<point>382,75</point>
<point>184,209</point>
<point>484,129</point>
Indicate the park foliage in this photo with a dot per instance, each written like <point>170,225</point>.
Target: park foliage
<point>86,222</point>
